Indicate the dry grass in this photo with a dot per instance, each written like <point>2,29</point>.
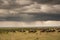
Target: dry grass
<point>30,36</point>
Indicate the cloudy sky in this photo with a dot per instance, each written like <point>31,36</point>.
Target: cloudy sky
<point>32,13</point>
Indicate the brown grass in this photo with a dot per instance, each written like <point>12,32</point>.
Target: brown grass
<point>30,36</point>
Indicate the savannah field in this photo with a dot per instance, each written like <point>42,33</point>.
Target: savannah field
<point>29,34</point>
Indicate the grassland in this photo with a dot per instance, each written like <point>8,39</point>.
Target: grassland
<point>17,34</point>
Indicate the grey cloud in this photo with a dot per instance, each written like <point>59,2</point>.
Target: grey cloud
<point>46,17</point>
<point>44,8</point>
<point>29,7</point>
<point>18,17</point>
<point>43,11</point>
<point>12,4</point>
<point>29,13</point>
<point>32,17</point>
<point>47,1</point>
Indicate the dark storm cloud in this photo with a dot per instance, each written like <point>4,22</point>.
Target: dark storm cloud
<point>53,11</point>
<point>32,17</point>
<point>46,17</point>
<point>48,1</point>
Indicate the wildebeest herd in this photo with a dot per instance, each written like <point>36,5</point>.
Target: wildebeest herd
<point>30,30</point>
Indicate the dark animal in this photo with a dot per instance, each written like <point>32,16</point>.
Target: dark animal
<point>32,31</point>
<point>43,30</point>
<point>59,31</point>
<point>21,30</point>
<point>11,31</point>
<point>50,30</point>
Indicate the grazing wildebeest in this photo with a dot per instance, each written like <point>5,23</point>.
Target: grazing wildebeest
<point>11,31</point>
<point>50,30</point>
<point>21,30</point>
<point>57,28</point>
<point>59,31</point>
<point>32,31</point>
<point>43,30</point>
<point>47,30</point>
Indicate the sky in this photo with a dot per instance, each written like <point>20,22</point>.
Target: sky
<point>29,13</point>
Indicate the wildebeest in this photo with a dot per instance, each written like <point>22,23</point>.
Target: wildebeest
<point>21,30</point>
<point>11,31</point>
<point>59,31</point>
<point>47,30</point>
<point>32,31</point>
<point>50,30</point>
<point>43,30</point>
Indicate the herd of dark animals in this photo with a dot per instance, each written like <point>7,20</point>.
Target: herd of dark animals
<point>30,30</point>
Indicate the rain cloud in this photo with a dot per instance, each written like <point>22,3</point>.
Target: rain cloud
<point>30,12</point>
